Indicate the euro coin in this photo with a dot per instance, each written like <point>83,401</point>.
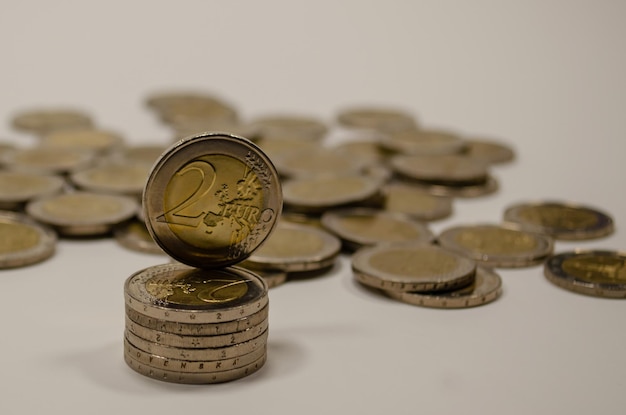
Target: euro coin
<point>123,178</point>
<point>46,120</point>
<point>377,118</point>
<point>134,235</point>
<point>423,143</point>
<point>17,188</point>
<point>416,202</point>
<point>24,241</point>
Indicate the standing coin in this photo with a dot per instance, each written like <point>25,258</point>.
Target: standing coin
<point>211,199</point>
<point>411,267</point>
<point>486,288</point>
<point>360,227</point>
<point>24,241</point>
<point>83,213</point>
<point>497,245</point>
<point>597,273</point>
<point>561,220</point>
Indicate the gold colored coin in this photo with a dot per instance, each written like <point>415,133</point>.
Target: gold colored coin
<point>294,248</point>
<point>360,227</point>
<point>592,272</point>
<point>487,287</point>
<point>210,200</point>
<point>17,188</point>
<point>411,267</point>
<point>320,161</point>
<point>24,241</point>
<point>48,160</point>
<point>565,221</point>
<point>44,121</point>
<point>497,245</point>
<point>83,213</point>
<point>98,141</point>
<point>176,292</point>
<point>416,202</point>
<point>123,178</point>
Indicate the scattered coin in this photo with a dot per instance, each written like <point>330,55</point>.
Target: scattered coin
<point>423,143</point>
<point>486,288</point>
<point>411,267</point>
<point>24,241</point>
<point>381,119</point>
<point>492,152</point>
<point>98,141</point>
<point>135,236</point>
<point>358,227</point>
<point>489,186</point>
<point>444,170</point>
<point>17,188</point>
<point>415,202</point>
<point>83,213</point>
<point>45,121</point>
<point>592,272</point>
<point>211,199</point>
<point>124,178</point>
<point>320,161</point>
<point>48,160</point>
<point>561,220</point>
<point>497,245</point>
<point>147,154</point>
<point>289,127</point>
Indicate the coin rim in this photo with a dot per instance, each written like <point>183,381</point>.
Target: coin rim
<point>40,252</point>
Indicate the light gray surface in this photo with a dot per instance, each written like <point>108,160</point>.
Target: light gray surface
<point>545,76</point>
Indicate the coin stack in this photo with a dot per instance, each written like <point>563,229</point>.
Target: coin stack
<point>209,202</point>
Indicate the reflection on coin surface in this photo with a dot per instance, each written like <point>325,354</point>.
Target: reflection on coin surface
<point>317,194</point>
<point>23,240</point>
<point>211,199</point>
<point>415,202</point>
<point>361,226</point>
<point>497,246</point>
<point>44,121</point>
<point>381,119</point>
<point>135,236</point>
<point>598,273</point>
<point>411,267</point>
<point>18,187</point>
<point>83,213</point>
<point>561,220</point>
<point>486,287</point>
<point>86,139</point>
<point>295,247</point>
<point>176,292</point>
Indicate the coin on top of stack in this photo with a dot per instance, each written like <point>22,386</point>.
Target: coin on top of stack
<point>209,202</point>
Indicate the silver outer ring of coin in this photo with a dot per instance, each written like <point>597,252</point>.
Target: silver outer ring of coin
<point>331,246</point>
<point>331,220</point>
<point>182,153</point>
<point>194,378</point>
<point>545,247</point>
<point>192,366</point>
<point>442,209</point>
<point>466,191</point>
<point>125,237</point>
<point>86,226</point>
<point>42,251</point>
<point>196,342</point>
<point>488,288</point>
<point>51,185</point>
<point>603,226</point>
<point>140,300</point>
<point>554,272</point>
<point>192,329</point>
<point>365,273</point>
<point>371,188</point>
<point>210,353</point>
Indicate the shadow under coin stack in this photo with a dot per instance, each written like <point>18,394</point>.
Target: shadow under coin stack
<point>209,202</point>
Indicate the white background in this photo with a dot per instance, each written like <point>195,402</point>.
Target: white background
<point>548,77</point>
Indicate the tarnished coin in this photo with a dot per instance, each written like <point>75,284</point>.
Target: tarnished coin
<point>411,267</point>
<point>492,152</point>
<point>416,202</point>
<point>291,127</point>
<point>195,342</point>
<point>592,272</point>
<point>195,329</point>
<point>423,143</point>
<point>48,160</point>
<point>489,186</point>
<point>317,194</point>
<point>44,121</point>
<point>320,161</point>
<point>98,141</point>
<point>123,178</point>
<point>23,240</point>
<point>176,292</point>
<point>135,236</point>
<point>448,169</point>
<point>561,220</point>
<point>381,119</point>
<point>359,227</point>
<point>497,245</point>
<point>487,287</point>
<point>18,188</point>
<point>192,366</point>
<point>212,199</point>
<point>294,248</point>
<point>210,353</point>
<point>83,213</point>
<point>194,378</point>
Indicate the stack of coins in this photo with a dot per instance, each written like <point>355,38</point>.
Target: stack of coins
<point>209,203</point>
